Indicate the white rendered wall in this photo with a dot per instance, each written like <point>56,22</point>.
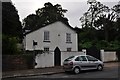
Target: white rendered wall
<point>47,59</point>
<point>57,38</point>
<point>44,60</point>
<point>108,56</point>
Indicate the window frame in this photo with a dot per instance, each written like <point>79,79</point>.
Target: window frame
<point>69,58</point>
<point>46,49</point>
<point>84,58</point>
<point>46,36</point>
<point>69,49</point>
<point>79,58</point>
<point>68,38</point>
<point>92,58</point>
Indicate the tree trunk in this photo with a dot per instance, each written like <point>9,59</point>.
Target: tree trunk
<point>106,33</point>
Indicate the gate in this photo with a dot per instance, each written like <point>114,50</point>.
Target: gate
<point>93,51</point>
<point>57,57</point>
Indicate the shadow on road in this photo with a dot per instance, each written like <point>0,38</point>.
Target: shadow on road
<point>84,71</point>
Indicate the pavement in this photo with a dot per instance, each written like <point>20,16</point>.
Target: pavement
<point>32,72</point>
<point>42,71</point>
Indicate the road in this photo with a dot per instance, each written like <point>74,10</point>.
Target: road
<point>108,72</point>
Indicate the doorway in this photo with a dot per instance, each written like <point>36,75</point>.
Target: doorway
<point>57,57</point>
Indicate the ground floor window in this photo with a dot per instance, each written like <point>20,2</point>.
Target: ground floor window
<point>69,49</point>
<point>46,49</point>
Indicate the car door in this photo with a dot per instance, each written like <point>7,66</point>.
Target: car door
<point>83,62</point>
<point>92,62</point>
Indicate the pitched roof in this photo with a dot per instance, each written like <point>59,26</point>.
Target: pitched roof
<point>67,24</point>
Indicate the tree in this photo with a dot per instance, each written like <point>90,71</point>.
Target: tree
<point>116,8</point>
<point>10,20</point>
<point>95,10</point>
<point>50,12</point>
<point>11,29</point>
<point>44,16</point>
<point>106,24</point>
<point>99,17</point>
<point>9,45</point>
<point>30,21</point>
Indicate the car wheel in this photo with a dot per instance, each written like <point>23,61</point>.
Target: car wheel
<point>100,68</point>
<point>76,70</point>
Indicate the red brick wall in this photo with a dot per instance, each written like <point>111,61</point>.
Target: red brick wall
<point>17,62</point>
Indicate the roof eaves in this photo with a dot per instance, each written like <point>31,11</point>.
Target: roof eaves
<point>67,24</point>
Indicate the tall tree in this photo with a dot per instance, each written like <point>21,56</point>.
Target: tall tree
<point>11,28</point>
<point>50,13</point>
<point>116,8</point>
<point>99,17</point>
<point>96,9</point>
<point>30,21</point>
<point>11,25</point>
<point>106,24</point>
<point>45,15</point>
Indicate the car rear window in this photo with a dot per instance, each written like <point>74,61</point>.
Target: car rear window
<point>70,58</point>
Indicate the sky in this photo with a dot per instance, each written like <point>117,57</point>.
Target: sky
<point>75,8</point>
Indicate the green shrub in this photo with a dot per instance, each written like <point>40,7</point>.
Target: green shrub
<point>102,44</point>
<point>113,45</point>
<point>9,45</point>
<point>86,44</point>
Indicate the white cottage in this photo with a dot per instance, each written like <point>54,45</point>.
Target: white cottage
<point>55,37</point>
<point>51,36</point>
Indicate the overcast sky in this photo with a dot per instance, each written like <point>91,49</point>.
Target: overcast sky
<point>75,9</point>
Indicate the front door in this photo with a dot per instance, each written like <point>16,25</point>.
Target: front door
<point>57,57</point>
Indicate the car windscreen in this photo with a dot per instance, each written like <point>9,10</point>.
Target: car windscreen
<point>70,58</point>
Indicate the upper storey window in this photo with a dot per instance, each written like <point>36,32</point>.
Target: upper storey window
<point>46,36</point>
<point>68,37</point>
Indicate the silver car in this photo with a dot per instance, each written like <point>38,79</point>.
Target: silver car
<point>82,62</point>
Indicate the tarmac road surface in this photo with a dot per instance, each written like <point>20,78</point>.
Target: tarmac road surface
<point>109,73</point>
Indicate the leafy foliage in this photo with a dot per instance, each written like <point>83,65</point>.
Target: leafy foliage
<point>100,27</point>
<point>44,16</point>
<point>95,10</point>
<point>85,45</point>
<point>99,17</point>
<point>116,8</point>
<point>102,44</point>
<point>30,21</point>
<point>11,29</point>
<point>9,45</point>
<point>10,20</point>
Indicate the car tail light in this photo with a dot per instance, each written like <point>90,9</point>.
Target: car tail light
<point>71,63</point>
